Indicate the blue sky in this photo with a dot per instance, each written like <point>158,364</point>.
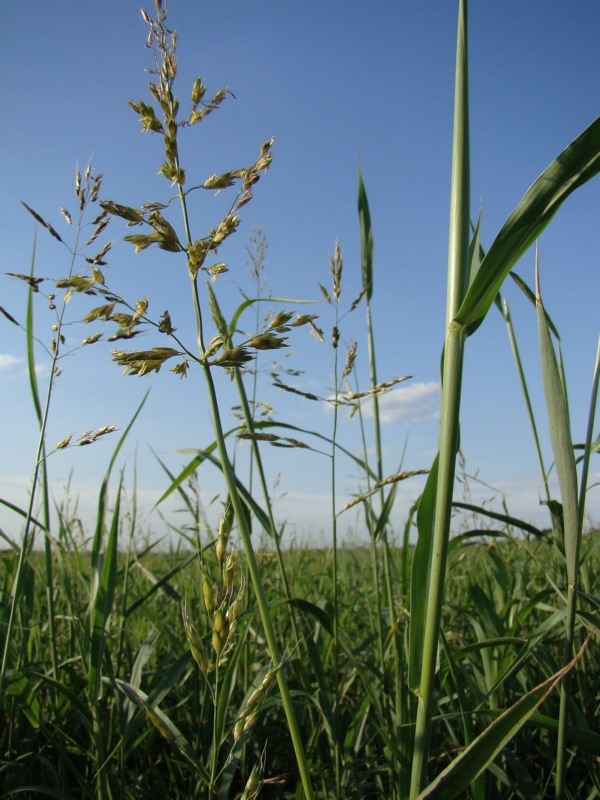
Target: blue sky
<point>337,84</point>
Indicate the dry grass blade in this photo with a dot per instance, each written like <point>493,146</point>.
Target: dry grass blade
<point>399,476</point>
<point>43,222</point>
<point>292,390</point>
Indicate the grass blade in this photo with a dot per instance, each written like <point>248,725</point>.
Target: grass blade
<point>560,438</point>
<point>419,579</point>
<point>366,238</point>
<point>481,752</point>
<point>164,725</point>
<point>566,470</point>
<point>452,363</point>
<point>577,164</point>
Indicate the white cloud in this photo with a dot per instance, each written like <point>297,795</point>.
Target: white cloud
<point>415,402</point>
<point>7,361</point>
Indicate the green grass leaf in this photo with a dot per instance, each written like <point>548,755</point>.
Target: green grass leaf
<point>20,687</point>
<point>481,752</point>
<point>577,164</point>
<point>103,601</point>
<point>419,576</point>
<point>560,439</point>
<point>163,724</point>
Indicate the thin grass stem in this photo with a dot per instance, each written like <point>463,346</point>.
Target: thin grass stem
<point>43,414</point>
<point>244,531</point>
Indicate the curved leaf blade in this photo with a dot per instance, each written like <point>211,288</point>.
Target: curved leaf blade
<point>481,752</point>
<point>576,165</point>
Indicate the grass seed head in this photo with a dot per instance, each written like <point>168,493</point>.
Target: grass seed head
<point>253,784</point>
<point>197,649</point>
<point>280,321</point>
<point>267,341</point>
<point>221,548</point>
<point>198,92</point>
<point>220,624</point>
<point>235,357</point>
<point>95,337</point>
<point>335,336</point>
<point>181,368</point>
<point>350,359</point>
<point>207,591</point>
<point>336,265</point>
<point>217,643</point>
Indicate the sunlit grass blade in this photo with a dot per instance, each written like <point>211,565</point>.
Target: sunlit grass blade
<point>100,613</point>
<point>577,164</point>
<point>103,600</point>
<point>505,311</point>
<point>441,493</point>
<point>589,446</point>
<point>530,295</point>
<point>103,494</point>
<point>22,512</point>
<point>506,519</point>
<point>232,327</point>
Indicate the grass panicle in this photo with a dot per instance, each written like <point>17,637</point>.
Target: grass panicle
<point>205,666</point>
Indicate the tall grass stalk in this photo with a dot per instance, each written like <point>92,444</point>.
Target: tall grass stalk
<point>467,306</point>
<point>378,523</point>
<point>166,68</point>
<point>243,528</point>
<point>248,411</point>
<point>336,266</point>
<point>458,275</point>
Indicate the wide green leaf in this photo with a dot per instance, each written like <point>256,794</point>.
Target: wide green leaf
<point>576,165</point>
<point>560,439</point>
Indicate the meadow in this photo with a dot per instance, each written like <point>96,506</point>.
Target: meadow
<point>466,665</point>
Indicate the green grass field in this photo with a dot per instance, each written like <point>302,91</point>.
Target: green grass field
<point>467,665</point>
<point>502,629</point>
